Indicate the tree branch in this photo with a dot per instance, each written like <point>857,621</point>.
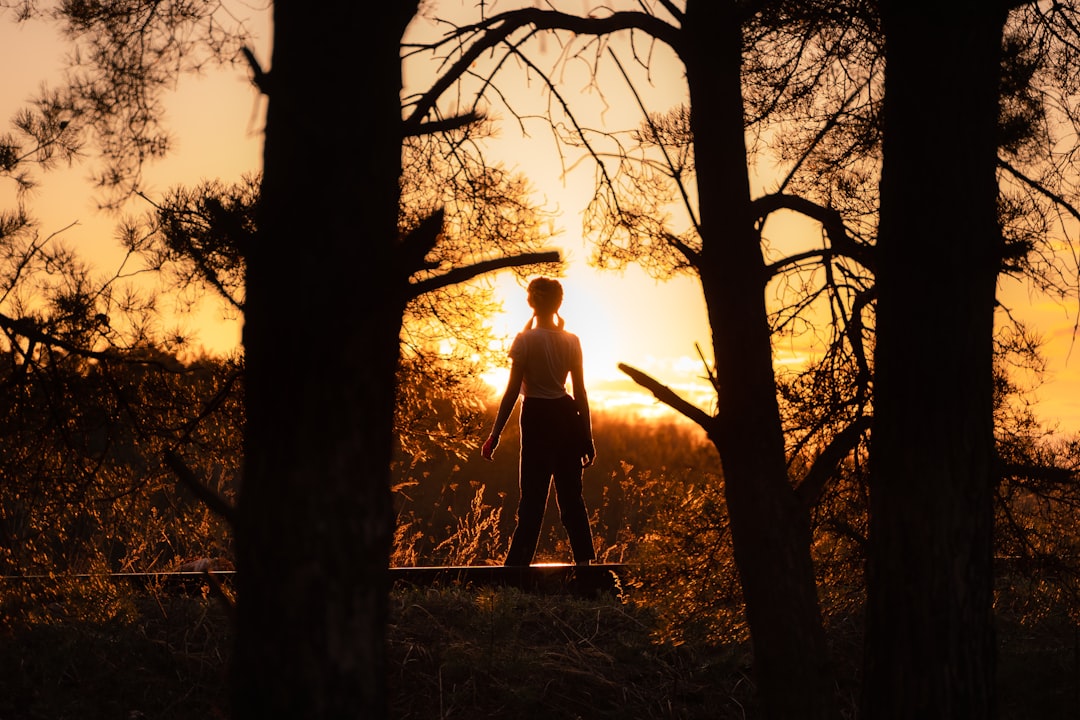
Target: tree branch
<point>414,128</point>
<point>842,243</point>
<point>813,483</point>
<point>688,206</point>
<point>671,8</point>
<point>212,405</point>
<point>1041,189</point>
<point>1045,473</point>
<point>497,29</point>
<point>28,328</point>
<point>212,499</point>
<point>830,123</point>
<point>462,274</point>
<point>260,78</point>
<point>669,397</point>
<point>421,240</point>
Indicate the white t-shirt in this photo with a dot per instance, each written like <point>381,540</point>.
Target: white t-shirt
<point>547,356</point>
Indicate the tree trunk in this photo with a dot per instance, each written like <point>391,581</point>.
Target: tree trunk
<point>323,314</point>
<point>770,525</point>
<point>929,649</point>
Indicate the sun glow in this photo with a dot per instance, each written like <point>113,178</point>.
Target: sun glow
<point>620,318</point>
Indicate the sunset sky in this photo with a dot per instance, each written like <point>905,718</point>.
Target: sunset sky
<point>620,316</point>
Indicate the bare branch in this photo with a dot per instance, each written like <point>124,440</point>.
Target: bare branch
<point>830,219</point>
<point>496,30</point>
<point>673,170</point>
<point>668,396</point>
<point>833,121</point>
<point>258,76</point>
<point>710,371</point>
<point>461,274</point>
<point>671,8</point>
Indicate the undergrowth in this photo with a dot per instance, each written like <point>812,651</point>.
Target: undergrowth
<point>503,653</point>
<point>458,652</point>
<point>156,657</point>
<point>452,652</point>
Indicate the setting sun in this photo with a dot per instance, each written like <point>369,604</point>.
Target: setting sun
<point>620,318</point>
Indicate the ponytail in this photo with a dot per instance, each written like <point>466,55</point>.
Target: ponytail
<point>560,323</point>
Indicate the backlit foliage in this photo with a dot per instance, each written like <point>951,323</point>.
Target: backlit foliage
<point>86,488</point>
<point>98,399</point>
<point>687,569</point>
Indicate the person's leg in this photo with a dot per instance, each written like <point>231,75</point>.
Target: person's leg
<point>534,483</point>
<point>572,510</point>
<point>534,480</point>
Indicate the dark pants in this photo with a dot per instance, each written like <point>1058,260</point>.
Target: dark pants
<point>550,451</point>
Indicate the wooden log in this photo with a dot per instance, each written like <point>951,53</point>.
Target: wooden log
<point>547,578</point>
<point>587,581</point>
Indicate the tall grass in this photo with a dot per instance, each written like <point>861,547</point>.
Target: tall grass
<point>475,537</point>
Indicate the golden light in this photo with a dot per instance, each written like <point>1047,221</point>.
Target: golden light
<point>619,317</point>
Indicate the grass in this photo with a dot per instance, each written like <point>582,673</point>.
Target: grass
<point>156,657</point>
<point>456,653</point>
<point>490,653</point>
<point>1038,669</point>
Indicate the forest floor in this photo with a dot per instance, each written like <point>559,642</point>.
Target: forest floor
<point>457,652</point>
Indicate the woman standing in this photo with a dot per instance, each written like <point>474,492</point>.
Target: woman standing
<point>556,430</point>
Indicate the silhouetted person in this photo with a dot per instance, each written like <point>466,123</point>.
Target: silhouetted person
<point>556,431</point>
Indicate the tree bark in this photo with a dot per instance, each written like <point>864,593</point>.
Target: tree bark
<point>929,649</point>
<point>323,313</point>
<point>770,525</point>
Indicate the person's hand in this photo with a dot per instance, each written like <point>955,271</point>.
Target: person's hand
<point>589,456</point>
<point>488,450</point>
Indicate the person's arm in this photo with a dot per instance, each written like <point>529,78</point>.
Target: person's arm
<point>581,399</point>
<point>509,399</point>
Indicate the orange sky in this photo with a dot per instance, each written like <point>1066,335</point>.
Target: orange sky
<point>621,317</point>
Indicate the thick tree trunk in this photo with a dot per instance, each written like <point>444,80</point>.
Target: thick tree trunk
<point>770,526</point>
<point>321,339</point>
<point>929,643</point>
